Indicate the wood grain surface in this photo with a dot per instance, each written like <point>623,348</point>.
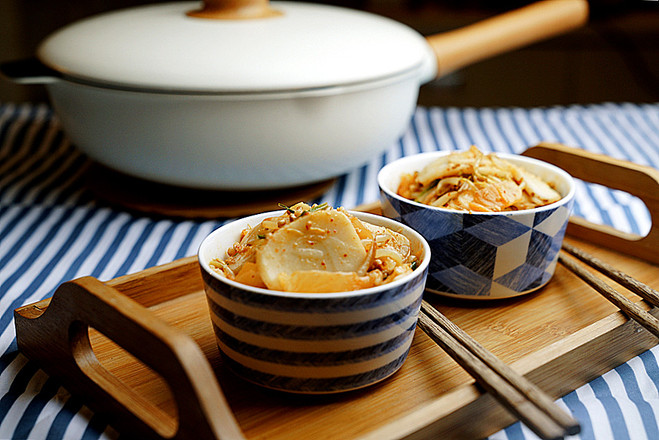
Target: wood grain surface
<point>560,337</point>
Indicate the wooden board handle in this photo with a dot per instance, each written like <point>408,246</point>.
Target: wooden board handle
<point>506,32</point>
<point>55,333</point>
<point>637,180</point>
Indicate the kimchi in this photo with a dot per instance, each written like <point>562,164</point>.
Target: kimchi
<point>476,182</point>
<point>317,249</point>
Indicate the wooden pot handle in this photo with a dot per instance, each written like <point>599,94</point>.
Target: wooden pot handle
<point>55,333</point>
<point>234,10</point>
<point>506,32</point>
<point>637,180</point>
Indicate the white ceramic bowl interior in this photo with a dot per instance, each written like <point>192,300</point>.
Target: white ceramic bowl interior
<point>484,255</point>
<point>312,343</point>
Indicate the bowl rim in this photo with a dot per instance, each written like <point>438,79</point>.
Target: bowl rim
<point>241,223</point>
<point>424,158</point>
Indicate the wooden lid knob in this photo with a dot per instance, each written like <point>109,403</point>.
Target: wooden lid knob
<point>234,10</point>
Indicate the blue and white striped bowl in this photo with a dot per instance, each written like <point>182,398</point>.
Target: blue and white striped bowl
<point>312,343</point>
<point>484,255</point>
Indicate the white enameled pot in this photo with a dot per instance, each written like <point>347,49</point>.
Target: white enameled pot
<point>250,95</point>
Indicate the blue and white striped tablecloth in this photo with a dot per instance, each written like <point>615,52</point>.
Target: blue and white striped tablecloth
<point>52,230</point>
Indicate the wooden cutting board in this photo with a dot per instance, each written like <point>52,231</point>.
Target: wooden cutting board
<point>560,337</point>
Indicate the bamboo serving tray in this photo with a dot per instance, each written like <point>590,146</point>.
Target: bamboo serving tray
<point>140,349</point>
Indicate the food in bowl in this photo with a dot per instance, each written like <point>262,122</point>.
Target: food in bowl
<point>317,249</point>
<point>484,255</point>
<point>473,181</point>
<point>313,342</point>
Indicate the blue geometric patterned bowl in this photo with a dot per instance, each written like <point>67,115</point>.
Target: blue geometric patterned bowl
<point>484,255</point>
<point>312,343</point>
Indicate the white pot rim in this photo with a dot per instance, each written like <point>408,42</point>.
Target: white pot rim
<point>247,95</point>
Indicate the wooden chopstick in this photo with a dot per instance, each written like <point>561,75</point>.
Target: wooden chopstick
<point>643,290</point>
<point>525,400</point>
<point>627,306</point>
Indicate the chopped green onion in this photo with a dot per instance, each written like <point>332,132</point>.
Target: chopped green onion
<point>281,205</point>
<point>319,207</point>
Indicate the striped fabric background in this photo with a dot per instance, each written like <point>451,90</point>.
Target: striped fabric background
<point>52,230</point>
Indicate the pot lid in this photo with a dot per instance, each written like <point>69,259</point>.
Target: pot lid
<point>292,46</point>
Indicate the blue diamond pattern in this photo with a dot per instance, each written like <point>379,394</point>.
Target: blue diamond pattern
<point>521,278</point>
<point>541,216</point>
<point>460,279</point>
<point>462,249</point>
<point>465,248</point>
<point>498,231</point>
<point>432,224</point>
<point>539,246</point>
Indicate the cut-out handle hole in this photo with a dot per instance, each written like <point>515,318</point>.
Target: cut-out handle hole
<point>618,209</point>
<point>126,378</point>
